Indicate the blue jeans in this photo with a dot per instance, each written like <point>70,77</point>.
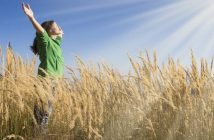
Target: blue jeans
<point>42,115</point>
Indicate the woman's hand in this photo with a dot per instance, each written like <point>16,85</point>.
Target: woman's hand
<point>26,8</point>
<point>28,11</point>
<point>61,31</point>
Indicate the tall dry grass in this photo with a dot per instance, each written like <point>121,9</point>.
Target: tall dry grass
<point>97,102</point>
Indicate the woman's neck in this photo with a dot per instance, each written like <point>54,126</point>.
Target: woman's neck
<point>53,36</point>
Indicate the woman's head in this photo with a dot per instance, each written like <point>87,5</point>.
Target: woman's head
<point>51,28</point>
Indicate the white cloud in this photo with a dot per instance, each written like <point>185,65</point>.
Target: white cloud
<point>94,6</point>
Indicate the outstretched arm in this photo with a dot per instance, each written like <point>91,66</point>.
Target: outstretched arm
<point>28,11</point>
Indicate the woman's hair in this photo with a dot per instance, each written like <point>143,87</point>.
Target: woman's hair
<point>46,25</point>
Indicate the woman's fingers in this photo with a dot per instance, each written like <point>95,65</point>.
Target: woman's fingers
<point>61,30</point>
<point>27,10</point>
<point>28,6</point>
<point>23,6</point>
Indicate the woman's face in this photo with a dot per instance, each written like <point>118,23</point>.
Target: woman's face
<point>55,29</point>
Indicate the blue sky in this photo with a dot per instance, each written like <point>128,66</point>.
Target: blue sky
<point>105,31</point>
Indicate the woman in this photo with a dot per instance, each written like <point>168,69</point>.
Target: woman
<point>47,44</point>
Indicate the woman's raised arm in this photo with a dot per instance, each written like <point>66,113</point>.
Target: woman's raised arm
<point>28,11</point>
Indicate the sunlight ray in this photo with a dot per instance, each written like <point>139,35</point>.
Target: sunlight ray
<point>170,43</point>
<point>157,12</point>
<point>140,34</point>
<point>201,33</point>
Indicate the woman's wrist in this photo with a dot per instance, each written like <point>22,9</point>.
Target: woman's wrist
<point>31,17</point>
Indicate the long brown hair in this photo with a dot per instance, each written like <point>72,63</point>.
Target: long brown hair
<point>46,25</point>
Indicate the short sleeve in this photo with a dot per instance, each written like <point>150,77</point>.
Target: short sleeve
<point>43,37</point>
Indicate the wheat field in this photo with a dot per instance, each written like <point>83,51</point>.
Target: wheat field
<point>96,102</point>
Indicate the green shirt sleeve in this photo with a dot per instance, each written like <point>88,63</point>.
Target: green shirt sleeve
<point>43,37</point>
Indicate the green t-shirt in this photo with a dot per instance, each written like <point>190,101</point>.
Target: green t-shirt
<point>50,55</point>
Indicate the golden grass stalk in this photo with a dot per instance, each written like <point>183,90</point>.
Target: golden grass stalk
<point>157,103</point>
